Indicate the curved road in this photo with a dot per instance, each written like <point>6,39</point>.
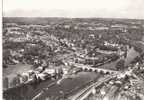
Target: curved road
<point>86,91</point>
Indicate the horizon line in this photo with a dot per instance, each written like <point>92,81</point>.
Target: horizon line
<point>72,17</point>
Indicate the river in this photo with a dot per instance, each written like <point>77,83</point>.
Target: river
<point>131,54</point>
<point>27,92</point>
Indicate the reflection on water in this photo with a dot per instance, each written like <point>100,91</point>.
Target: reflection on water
<point>27,92</point>
<point>131,54</point>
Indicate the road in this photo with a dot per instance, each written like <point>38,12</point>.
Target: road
<point>58,91</point>
<point>86,91</point>
<point>69,85</point>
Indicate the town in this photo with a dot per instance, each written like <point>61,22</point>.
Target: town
<point>73,59</point>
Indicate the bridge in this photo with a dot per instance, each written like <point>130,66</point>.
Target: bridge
<point>92,69</point>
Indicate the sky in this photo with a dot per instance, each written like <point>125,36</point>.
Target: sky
<point>74,8</point>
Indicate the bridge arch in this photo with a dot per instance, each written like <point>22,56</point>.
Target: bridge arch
<point>95,71</point>
<point>86,69</point>
<point>107,72</point>
<point>90,70</point>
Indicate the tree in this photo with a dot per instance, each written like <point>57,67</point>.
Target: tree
<point>120,64</point>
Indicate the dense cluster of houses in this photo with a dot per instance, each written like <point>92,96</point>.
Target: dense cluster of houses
<point>33,76</point>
